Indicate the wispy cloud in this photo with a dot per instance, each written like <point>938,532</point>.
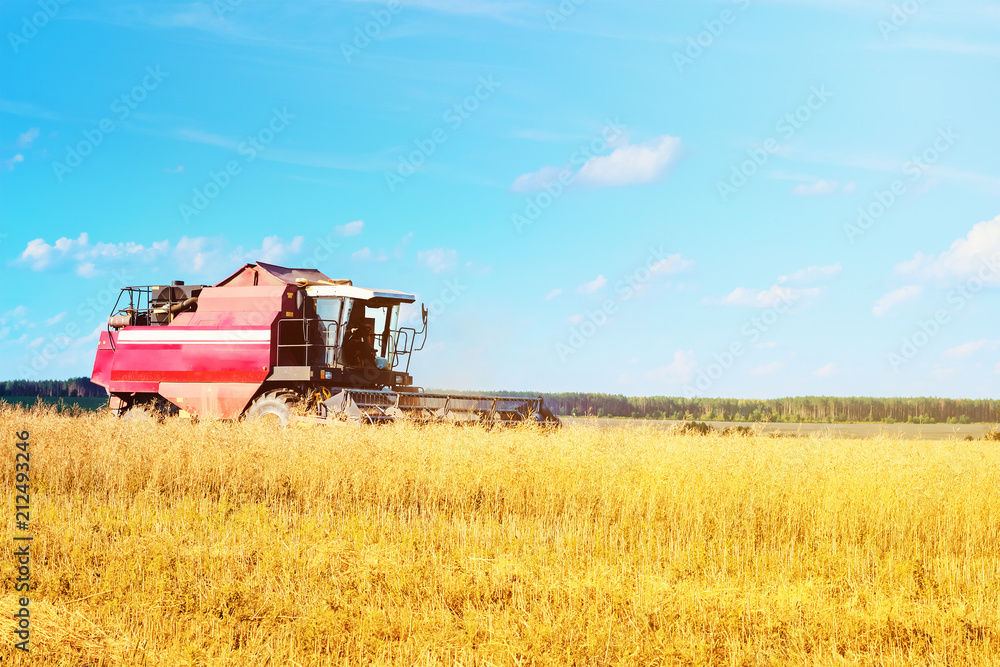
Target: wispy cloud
<point>367,254</point>
<point>956,47</point>
<point>8,164</point>
<point>769,369</point>
<point>892,299</point>
<point>774,296</point>
<point>681,370</point>
<point>351,228</point>
<point>635,164</point>
<point>593,286</point>
<point>821,187</point>
<point>25,139</point>
<point>812,274</point>
<point>438,259</point>
<point>826,371</point>
<point>971,348</point>
<point>977,253</point>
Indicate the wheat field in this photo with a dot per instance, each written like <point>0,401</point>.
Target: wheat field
<point>217,543</point>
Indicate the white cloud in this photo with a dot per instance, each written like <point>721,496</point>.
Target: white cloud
<point>176,170</point>
<point>971,348</point>
<point>779,293</point>
<point>630,165</point>
<point>273,250</point>
<point>36,342</point>
<point>891,299</point>
<point>553,294</point>
<point>769,298</point>
<point>366,253</point>
<point>40,255</point>
<point>826,371</point>
<point>351,228</point>
<point>678,372</point>
<point>9,163</point>
<point>56,320</point>
<point>626,165</point>
<point>816,189</point>
<point>86,270</point>
<point>812,274</point>
<point>820,187</point>
<point>996,370</point>
<point>199,251</point>
<point>13,314</point>
<point>25,139</point>
<point>594,285</point>
<point>766,346</point>
<point>187,254</point>
<point>539,180</point>
<point>768,369</point>
<point>976,254</point>
<point>438,259</point>
<point>575,319</point>
<point>672,264</point>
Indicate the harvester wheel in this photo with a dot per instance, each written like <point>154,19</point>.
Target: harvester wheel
<point>274,407</point>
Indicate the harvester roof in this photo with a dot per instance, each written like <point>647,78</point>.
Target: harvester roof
<point>315,282</point>
<point>270,274</point>
<point>360,293</point>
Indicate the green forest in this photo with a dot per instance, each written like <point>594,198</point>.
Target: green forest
<point>802,409</point>
<point>72,388</point>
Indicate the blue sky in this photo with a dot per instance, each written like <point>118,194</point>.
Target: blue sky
<point>757,199</point>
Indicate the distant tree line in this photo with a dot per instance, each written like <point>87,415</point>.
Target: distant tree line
<point>808,409</point>
<point>72,388</point>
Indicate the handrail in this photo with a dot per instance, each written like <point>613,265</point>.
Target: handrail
<point>401,339</point>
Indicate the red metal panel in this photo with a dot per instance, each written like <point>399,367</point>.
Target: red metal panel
<point>191,354</point>
<point>134,387</point>
<point>104,360</point>
<point>212,360</point>
<point>223,400</point>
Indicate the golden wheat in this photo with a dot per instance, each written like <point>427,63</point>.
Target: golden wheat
<point>218,543</point>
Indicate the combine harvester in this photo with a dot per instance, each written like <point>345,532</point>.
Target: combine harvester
<point>284,344</point>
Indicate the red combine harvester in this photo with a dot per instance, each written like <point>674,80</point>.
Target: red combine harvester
<point>289,344</point>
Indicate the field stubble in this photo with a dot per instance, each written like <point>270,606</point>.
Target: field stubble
<point>218,543</point>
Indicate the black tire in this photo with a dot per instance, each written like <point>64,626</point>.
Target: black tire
<point>274,406</point>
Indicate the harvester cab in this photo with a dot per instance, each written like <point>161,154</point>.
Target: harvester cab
<point>292,344</point>
<point>349,335</point>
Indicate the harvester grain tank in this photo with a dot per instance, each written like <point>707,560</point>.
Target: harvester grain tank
<point>289,344</point>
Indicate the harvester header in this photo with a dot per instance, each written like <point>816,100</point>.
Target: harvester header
<point>291,344</point>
